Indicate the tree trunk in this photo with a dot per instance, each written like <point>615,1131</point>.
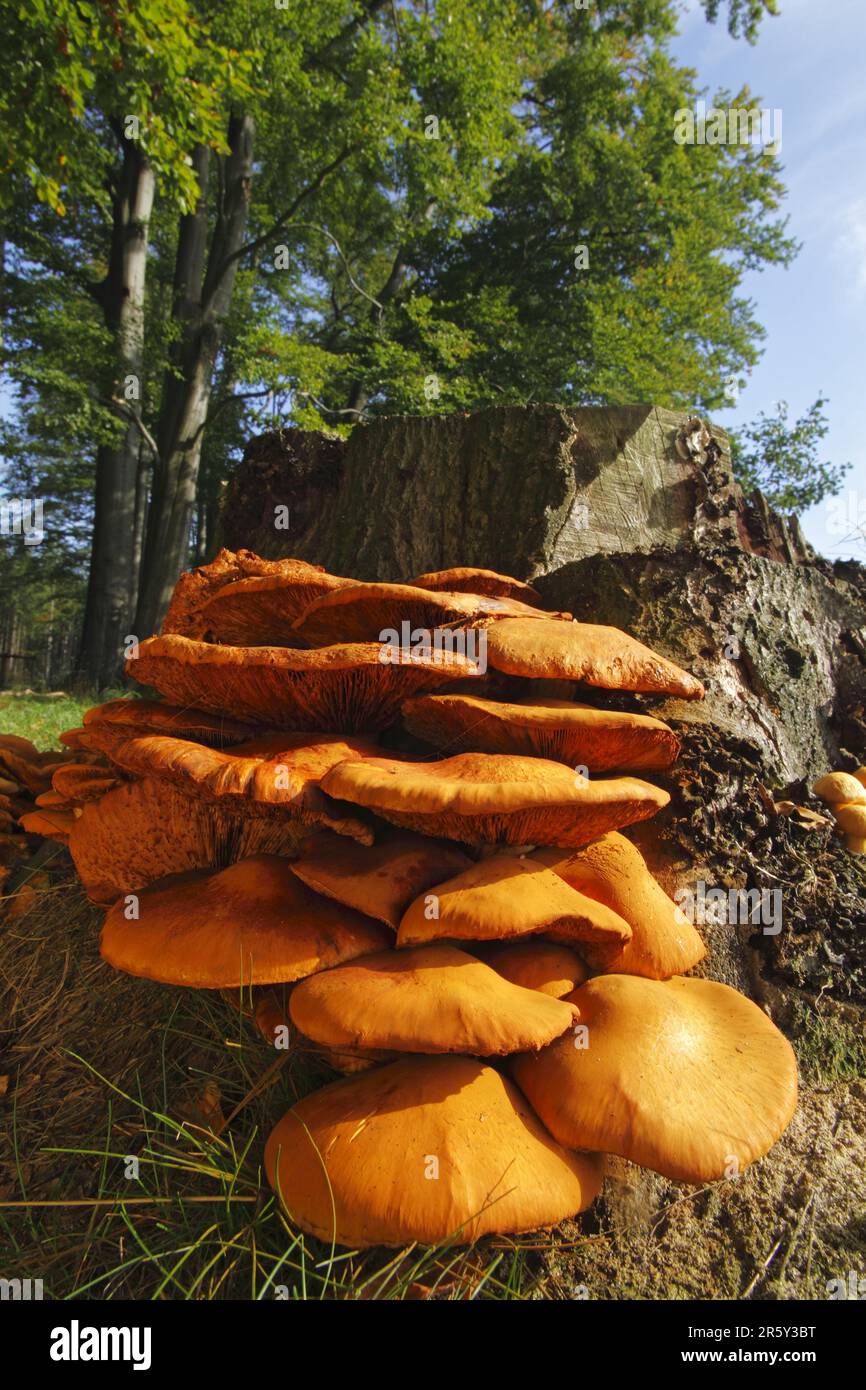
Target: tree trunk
<point>108,608</point>
<point>201,307</point>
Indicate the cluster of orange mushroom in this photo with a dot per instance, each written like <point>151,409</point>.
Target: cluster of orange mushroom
<point>425,853</point>
<point>27,805</point>
<point>844,795</point>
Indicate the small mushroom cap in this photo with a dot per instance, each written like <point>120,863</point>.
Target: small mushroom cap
<point>850,817</point>
<point>353,1163</point>
<point>488,797</point>
<point>860,774</point>
<point>581,735</point>
<point>465,580</point>
<point>613,871</point>
<point>145,831</point>
<point>505,897</point>
<point>543,965</point>
<point>83,782</point>
<point>686,1077</point>
<point>197,587</point>
<point>53,823</point>
<point>253,923</point>
<point>855,844</point>
<point>587,652</point>
<point>345,687</point>
<point>380,880</point>
<point>427,999</point>
<point>135,718</point>
<point>835,787</point>
<point>364,612</point>
<point>273,775</point>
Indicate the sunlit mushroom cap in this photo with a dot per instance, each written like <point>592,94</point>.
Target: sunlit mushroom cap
<point>426,1149</point>
<point>427,999</point>
<point>346,687</point>
<point>197,587</point>
<point>364,611</point>
<point>463,579</point>
<point>253,923</point>
<point>380,880</point>
<point>587,652</point>
<point>543,965</point>
<point>504,897</point>
<point>686,1077</point>
<point>260,612</point>
<point>850,816</point>
<point>613,871</point>
<point>581,735</point>
<point>83,782</point>
<point>145,831</point>
<point>489,797</point>
<point>275,774</point>
<point>835,787</point>
<point>134,718</point>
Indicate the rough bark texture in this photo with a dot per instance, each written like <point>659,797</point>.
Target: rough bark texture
<point>600,510</point>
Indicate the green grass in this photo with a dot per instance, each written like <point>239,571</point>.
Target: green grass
<point>41,718</point>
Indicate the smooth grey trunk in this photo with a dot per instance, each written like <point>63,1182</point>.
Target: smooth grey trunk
<point>202,301</point>
<point>110,589</point>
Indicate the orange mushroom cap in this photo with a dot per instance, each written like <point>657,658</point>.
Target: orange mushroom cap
<point>587,652</point>
<point>253,923</point>
<point>133,718</point>
<point>52,823</point>
<point>380,880</point>
<point>197,587</point>
<point>344,687</point>
<point>488,797</point>
<point>543,965</point>
<point>260,612</point>
<point>613,871</point>
<point>273,775</point>
<point>581,735</point>
<point>505,897</point>
<point>427,999</point>
<point>463,579</point>
<point>145,831</point>
<point>83,782</point>
<point>364,611</point>
<point>686,1077</point>
<point>353,1163</point>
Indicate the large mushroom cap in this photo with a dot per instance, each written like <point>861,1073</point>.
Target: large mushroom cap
<point>850,816</point>
<point>253,923</point>
<point>380,880</point>
<point>613,871</point>
<point>144,831</point>
<point>426,1149</point>
<point>427,999</point>
<point>131,718</point>
<point>260,612</point>
<point>587,652</point>
<point>344,687</point>
<point>504,897</point>
<point>364,612</point>
<point>835,787</point>
<point>488,797</point>
<point>278,774</point>
<point>197,587</point>
<point>581,735</point>
<point>543,965</point>
<point>686,1077</point>
<point>462,579</point>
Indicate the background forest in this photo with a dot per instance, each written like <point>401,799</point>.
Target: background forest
<point>217,218</point>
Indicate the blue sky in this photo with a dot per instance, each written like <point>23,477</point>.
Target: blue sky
<point>808,62</point>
